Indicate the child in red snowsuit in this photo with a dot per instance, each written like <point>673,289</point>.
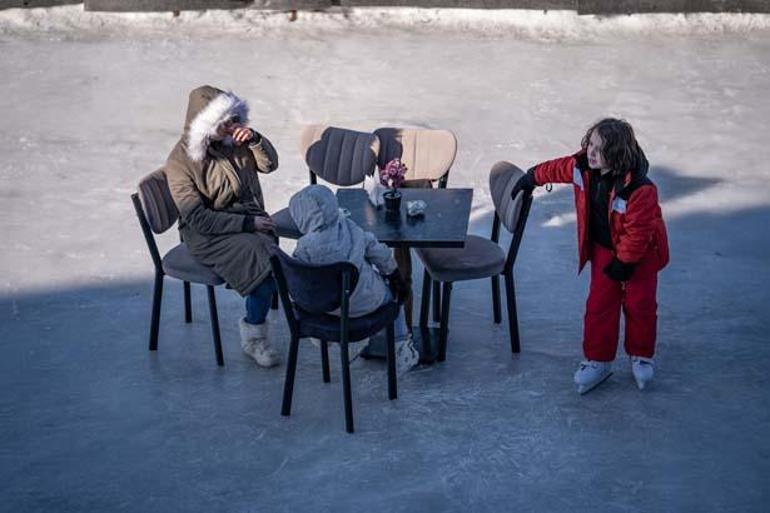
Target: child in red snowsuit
<point>622,233</point>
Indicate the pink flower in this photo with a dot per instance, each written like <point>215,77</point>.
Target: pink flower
<point>392,175</point>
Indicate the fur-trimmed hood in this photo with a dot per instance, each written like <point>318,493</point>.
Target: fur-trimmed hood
<point>216,187</point>
<point>207,108</point>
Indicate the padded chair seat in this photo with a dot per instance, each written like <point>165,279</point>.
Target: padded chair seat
<point>284,225</point>
<point>179,263</point>
<point>327,327</point>
<point>480,258</point>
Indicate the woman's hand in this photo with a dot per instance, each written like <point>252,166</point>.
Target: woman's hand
<point>242,134</point>
<point>264,224</point>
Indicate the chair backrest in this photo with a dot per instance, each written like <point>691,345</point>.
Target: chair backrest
<point>157,203</point>
<point>338,155</point>
<point>314,288</point>
<point>502,179</point>
<point>427,154</point>
<point>513,213</point>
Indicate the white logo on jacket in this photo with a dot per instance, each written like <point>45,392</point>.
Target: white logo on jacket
<point>619,205</point>
<point>577,178</point>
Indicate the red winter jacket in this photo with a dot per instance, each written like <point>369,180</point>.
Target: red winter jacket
<point>636,221</point>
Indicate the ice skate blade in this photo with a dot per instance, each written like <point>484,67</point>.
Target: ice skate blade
<point>584,389</point>
<point>641,384</point>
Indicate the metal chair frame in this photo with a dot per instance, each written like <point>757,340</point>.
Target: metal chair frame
<point>441,308</point>
<point>348,277</point>
<point>157,294</point>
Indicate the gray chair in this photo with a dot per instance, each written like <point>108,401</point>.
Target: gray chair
<point>157,213</point>
<point>336,155</point>
<point>481,257</point>
<point>428,155</point>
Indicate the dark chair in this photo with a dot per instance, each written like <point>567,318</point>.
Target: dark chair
<point>157,213</point>
<point>309,291</point>
<point>336,155</point>
<point>481,257</point>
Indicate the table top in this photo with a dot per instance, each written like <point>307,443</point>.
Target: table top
<point>444,224</point>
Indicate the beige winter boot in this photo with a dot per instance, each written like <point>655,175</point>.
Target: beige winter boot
<point>255,343</point>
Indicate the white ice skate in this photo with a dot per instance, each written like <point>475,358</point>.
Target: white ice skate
<point>591,374</point>
<point>643,369</point>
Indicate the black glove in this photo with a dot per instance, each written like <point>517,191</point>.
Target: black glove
<point>526,183</point>
<point>398,286</point>
<point>256,138</point>
<point>619,271</point>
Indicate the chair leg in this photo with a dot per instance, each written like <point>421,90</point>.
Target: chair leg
<point>436,301</point>
<point>187,303</point>
<point>444,328</point>
<point>275,299</point>
<point>288,384</point>
<point>215,325</point>
<point>513,320</point>
<point>392,380</point>
<point>157,297</point>
<point>425,303</point>
<point>345,358</point>
<point>325,360</point>
<point>496,299</point>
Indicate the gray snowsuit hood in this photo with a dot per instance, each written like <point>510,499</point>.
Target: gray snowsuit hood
<point>329,236</point>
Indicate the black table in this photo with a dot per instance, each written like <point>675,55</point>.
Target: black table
<point>444,225</point>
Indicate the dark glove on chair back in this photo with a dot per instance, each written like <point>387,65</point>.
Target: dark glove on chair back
<point>526,183</point>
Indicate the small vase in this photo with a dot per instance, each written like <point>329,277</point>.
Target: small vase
<point>392,200</point>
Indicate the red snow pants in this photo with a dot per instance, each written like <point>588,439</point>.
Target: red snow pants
<point>637,298</point>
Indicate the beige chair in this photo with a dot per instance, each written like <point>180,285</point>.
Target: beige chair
<point>428,156</point>
<point>157,213</point>
<point>481,257</point>
<point>336,155</point>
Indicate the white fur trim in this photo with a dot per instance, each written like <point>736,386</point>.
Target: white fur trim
<point>205,124</point>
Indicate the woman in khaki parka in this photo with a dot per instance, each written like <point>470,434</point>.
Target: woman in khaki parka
<point>212,174</point>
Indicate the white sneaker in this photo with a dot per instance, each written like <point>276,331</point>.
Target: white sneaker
<point>255,343</point>
<point>406,355</point>
<point>643,369</point>
<point>356,348</point>
<point>591,374</point>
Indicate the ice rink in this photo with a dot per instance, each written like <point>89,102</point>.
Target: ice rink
<point>92,421</point>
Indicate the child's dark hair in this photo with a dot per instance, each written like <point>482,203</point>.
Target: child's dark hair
<point>620,149</point>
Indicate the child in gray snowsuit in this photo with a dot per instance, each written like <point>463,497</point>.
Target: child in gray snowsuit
<point>330,236</point>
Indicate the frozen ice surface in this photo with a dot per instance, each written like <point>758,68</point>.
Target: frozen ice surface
<point>550,25</point>
<point>91,421</point>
